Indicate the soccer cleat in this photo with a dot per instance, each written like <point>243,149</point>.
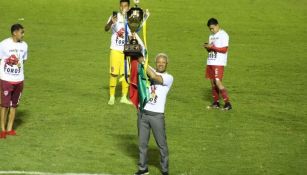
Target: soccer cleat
<point>2,134</point>
<point>165,173</point>
<point>125,100</point>
<point>215,105</point>
<point>11,133</point>
<point>142,172</point>
<point>227,106</point>
<point>111,101</point>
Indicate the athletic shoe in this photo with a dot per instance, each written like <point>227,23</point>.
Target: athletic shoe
<point>112,100</point>
<point>165,173</point>
<point>125,100</point>
<point>215,105</point>
<point>142,172</point>
<point>11,133</point>
<point>2,134</point>
<point>227,106</point>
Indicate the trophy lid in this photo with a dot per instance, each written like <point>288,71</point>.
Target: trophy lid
<point>136,2</point>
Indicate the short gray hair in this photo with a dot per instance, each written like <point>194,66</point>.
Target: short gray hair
<point>162,55</point>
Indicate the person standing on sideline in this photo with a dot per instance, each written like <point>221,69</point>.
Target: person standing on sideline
<point>152,117</point>
<point>13,54</point>
<point>217,59</point>
<point>116,23</point>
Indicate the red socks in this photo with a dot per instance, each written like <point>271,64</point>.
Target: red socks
<point>225,95</point>
<point>215,93</point>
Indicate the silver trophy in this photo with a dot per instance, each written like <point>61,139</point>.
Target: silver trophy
<point>135,18</point>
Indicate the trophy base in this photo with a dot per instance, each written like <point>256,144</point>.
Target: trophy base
<point>133,50</point>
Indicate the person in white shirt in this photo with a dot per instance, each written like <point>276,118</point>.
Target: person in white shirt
<point>217,59</point>
<point>13,54</point>
<point>116,23</point>
<point>152,117</point>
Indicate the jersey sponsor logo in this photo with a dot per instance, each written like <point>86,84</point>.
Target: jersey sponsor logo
<point>12,71</point>
<point>15,50</point>
<point>120,42</point>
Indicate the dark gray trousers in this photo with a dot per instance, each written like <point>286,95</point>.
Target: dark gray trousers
<point>146,121</point>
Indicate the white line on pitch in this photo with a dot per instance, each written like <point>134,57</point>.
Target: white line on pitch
<point>46,173</point>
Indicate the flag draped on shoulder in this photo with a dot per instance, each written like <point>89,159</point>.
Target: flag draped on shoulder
<point>139,83</point>
<point>139,94</point>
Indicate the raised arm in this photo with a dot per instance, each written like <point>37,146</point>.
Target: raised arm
<point>111,21</point>
<point>153,75</point>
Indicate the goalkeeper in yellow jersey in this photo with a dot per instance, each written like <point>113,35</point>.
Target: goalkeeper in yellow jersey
<point>116,24</point>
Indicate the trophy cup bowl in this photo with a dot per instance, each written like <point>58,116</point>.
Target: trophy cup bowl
<point>135,18</point>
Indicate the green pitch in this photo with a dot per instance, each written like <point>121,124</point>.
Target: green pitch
<point>65,125</point>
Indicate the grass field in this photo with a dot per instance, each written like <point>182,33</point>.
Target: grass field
<point>65,125</point>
